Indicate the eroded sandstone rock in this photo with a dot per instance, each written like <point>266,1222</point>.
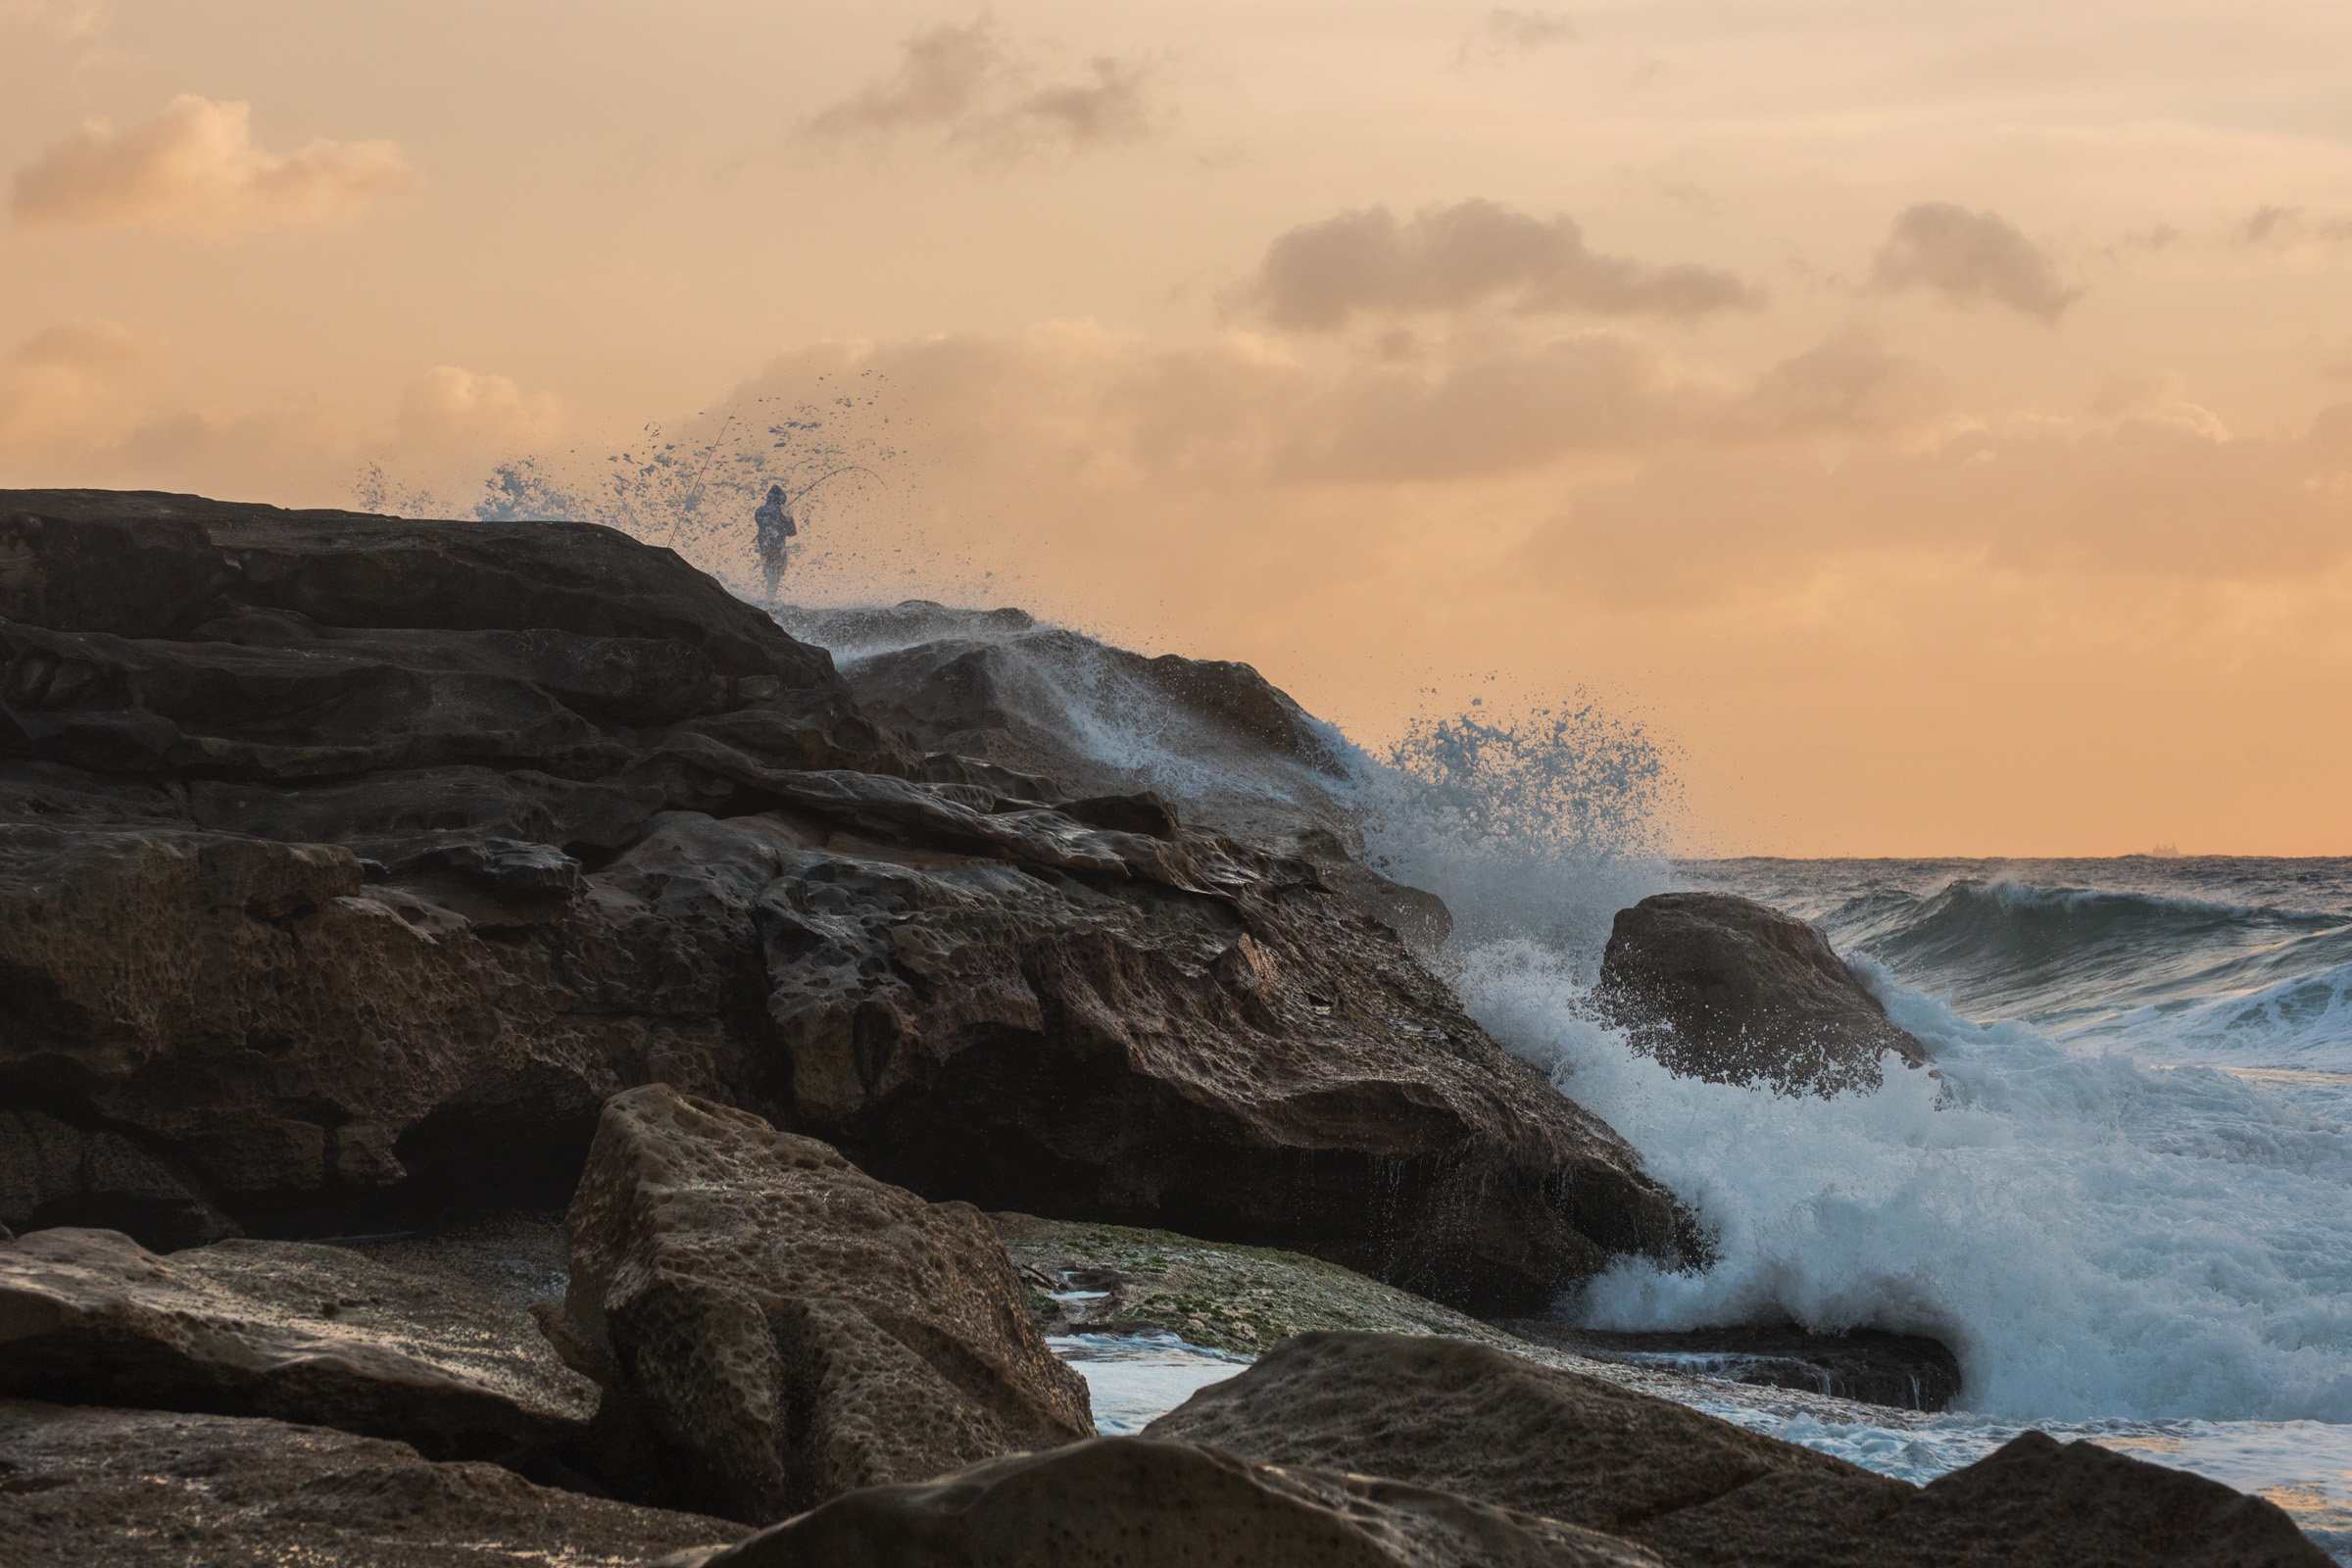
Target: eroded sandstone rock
<point>1699,1491</point>
<point>348,866</point>
<point>791,1327</point>
<point>281,1329</point>
<point>98,1488</point>
<point>1147,1504</point>
<point>1720,987</point>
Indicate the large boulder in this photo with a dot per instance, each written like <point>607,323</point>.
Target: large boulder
<point>98,1488</point>
<point>1702,1491</point>
<point>1232,1052</point>
<point>1144,1505</point>
<point>348,866</point>
<point>281,1329</point>
<point>1720,987</point>
<point>791,1327</point>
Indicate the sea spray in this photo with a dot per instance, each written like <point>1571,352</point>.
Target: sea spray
<point>1535,825</point>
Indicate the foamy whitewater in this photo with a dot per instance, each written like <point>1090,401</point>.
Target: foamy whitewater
<point>2121,1196</point>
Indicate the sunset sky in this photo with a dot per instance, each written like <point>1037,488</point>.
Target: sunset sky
<point>1934,419</point>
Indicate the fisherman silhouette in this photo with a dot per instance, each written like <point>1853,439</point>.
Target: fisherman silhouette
<point>776,527</point>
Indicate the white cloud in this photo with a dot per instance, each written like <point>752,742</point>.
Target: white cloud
<point>194,170</point>
<point>450,409</point>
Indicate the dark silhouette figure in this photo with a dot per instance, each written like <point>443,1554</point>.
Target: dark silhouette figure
<point>776,527</point>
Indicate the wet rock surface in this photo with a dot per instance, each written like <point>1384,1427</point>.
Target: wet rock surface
<point>97,1488</point>
<point>1907,1371</point>
<point>1471,1420</point>
<point>1147,1504</point>
<point>1720,987</point>
<point>1113,1279</point>
<point>791,1327</point>
<point>282,1329</point>
<point>349,864</point>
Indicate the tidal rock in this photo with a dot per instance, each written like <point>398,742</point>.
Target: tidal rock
<point>1145,1504</point>
<point>1719,987</point>
<point>792,1328</point>
<point>145,1489</point>
<point>281,1328</point>
<point>1702,1491</point>
<point>1470,1419</point>
<point>1908,1371</point>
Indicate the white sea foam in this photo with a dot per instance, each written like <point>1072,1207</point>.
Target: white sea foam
<point>2092,1236</point>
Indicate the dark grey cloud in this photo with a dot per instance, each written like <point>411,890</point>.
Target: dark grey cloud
<point>989,94</point>
<point>1320,275</point>
<point>1970,259</point>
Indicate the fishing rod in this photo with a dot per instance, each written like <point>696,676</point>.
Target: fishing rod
<point>829,474</point>
<point>711,451</point>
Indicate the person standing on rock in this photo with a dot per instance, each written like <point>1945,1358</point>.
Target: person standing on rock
<point>777,528</point>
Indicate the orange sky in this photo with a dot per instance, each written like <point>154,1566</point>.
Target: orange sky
<point>1934,418</point>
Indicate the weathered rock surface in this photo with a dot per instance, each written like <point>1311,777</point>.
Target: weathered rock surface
<point>281,1329</point>
<point>349,864</point>
<point>1145,1504</point>
<point>792,1328</point>
<point>998,686</point>
<point>1720,987</point>
<point>1908,1371</point>
<point>142,1489</point>
<point>1467,1419</point>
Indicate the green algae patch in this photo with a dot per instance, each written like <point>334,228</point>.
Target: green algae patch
<point>1090,1278</point>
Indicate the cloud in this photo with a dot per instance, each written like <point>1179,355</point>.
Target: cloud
<point>194,170</point>
<point>983,93</point>
<point>60,18</point>
<point>99,402</point>
<point>90,345</point>
<point>1848,386</point>
<point>1970,258</point>
<point>56,382</point>
<point>1319,275</point>
<point>2160,493</point>
<point>449,409</point>
<point>2281,227</point>
<point>1505,32</point>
